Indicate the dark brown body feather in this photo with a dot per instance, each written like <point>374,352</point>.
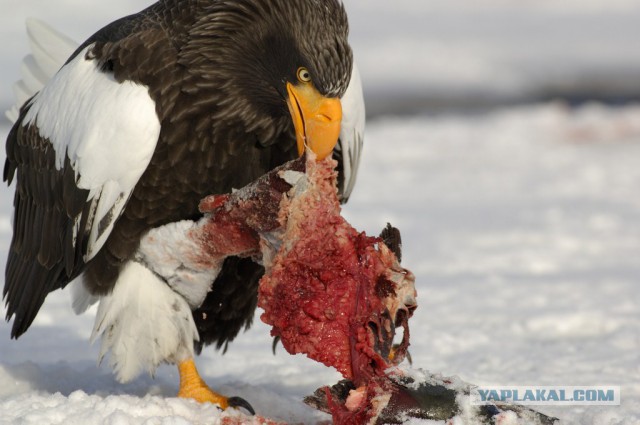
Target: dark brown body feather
<point>220,129</point>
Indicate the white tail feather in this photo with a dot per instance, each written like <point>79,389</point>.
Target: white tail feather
<point>50,47</point>
<point>81,298</point>
<point>143,323</point>
<point>49,51</point>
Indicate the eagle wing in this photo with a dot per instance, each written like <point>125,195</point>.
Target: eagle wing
<point>349,147</point>
<point>77,150</point>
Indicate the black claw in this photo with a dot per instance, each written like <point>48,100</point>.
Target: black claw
<point>408,357</point>
<point>241,402</point>
<point>276,340</point>
<point>391,237</point>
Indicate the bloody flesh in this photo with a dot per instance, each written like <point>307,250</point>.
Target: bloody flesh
<point>337,295</point>
<point>329,291</point>
<point>325,294</point>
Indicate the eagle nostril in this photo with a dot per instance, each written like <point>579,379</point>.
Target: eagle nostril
<point>325,118</point>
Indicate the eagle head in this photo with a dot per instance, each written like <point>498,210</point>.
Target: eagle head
<point>277,67</point>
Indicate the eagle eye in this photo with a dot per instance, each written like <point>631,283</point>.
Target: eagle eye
<point>303,75</point>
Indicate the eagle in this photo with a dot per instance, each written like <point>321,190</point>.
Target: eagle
<point>145,118</point>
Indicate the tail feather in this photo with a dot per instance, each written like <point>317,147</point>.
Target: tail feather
<point>21,93</point>
<point>33,76</point>
<point>50,47</point>
<point>49,51</point>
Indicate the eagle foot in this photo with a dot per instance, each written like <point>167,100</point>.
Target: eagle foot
<point>193,386</point>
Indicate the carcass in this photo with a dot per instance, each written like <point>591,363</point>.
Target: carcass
<point>329,292</point>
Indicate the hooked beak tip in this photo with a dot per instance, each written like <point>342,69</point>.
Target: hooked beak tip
<point>317,119</point>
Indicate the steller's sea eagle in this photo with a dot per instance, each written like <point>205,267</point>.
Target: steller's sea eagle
<point>148,116</point>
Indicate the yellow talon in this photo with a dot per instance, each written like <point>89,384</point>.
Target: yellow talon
<point>192,386</point>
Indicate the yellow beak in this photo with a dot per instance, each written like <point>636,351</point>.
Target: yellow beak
<point>316,119</point>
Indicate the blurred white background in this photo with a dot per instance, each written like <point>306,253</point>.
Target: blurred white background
<point>425,55</point>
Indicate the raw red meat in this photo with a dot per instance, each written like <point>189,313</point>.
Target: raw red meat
<point>330,292</point>
<point>337,295</point>
<point>234,222</point>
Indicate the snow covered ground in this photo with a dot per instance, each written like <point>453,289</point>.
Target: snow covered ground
<point>522,226</point>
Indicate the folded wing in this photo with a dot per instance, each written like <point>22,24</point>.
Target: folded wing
<point>77,150</point>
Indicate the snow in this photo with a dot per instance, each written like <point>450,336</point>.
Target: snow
<point>521,223</point>
<point>522,226</point>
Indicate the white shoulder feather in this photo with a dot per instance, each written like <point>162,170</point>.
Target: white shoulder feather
<point>108,130</point>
